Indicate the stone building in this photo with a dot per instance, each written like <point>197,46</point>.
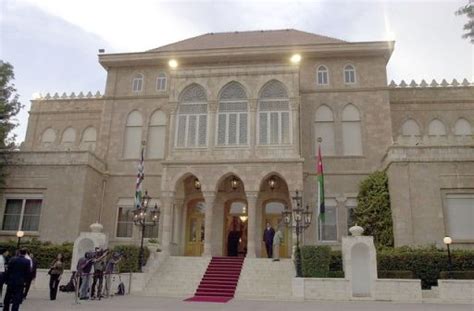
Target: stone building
<point>230,123</point>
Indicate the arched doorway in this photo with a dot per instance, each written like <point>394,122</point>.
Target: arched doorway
<point>272,214</point>
<point>194,237</point>
<point>235,229</point>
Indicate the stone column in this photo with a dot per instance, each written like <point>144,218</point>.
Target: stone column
<point>252,223</point>
<point>209,198</point>
<point>168,200</point>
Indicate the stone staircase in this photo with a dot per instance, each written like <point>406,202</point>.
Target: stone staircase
<point>178,276</point>
<point>262,278</point>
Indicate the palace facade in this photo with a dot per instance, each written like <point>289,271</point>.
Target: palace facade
<point>230,124</point>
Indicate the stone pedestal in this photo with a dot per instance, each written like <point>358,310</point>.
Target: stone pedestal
<point>88,241</point>
<point>360,263</point>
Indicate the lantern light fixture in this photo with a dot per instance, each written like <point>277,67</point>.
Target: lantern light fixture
<point>234,183</point>
<point>197,184</point>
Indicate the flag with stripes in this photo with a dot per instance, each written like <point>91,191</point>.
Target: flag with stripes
<point>320,177</point>
<point>140,177</point>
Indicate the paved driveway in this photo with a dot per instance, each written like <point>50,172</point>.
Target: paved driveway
<point>39,301</point>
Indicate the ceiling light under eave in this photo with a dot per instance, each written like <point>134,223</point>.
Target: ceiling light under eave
<point>173,63</point>
<point>295,59</point>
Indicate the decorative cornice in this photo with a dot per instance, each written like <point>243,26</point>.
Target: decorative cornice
<point>433,84</point>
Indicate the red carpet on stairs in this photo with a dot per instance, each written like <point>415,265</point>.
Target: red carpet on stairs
<point>220,280</point>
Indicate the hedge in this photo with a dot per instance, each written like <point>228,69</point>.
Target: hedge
<point>395,274</point>
<point>315,260</point>
<point>457,275</point>
<point>423,263</point>
<point>45,253</point>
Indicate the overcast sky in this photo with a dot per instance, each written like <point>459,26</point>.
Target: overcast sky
<point>53,44</point>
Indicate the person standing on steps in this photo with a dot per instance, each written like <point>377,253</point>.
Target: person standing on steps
<point>268,235</point>
<point>277,240</point>
<point>18,270</point>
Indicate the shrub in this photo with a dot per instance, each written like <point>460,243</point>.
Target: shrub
<point>315,260</point>
<point>459,275</point>
<point>373,211</point>
<point>395,274</point>
<point>336,261</point>
<point>130,253</point>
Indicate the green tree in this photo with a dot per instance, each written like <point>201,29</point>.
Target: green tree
<point>468,10</point>
<point>373,211</point>
<point>9,106</point>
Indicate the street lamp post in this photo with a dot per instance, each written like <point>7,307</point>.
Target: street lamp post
<point>447,240</point>
<point>143,218</point>
<point>19,235</point>
<point>299,219</point>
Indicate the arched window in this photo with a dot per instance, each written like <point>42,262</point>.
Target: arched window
<point>349,74</point>
<point>274,208</point>
<point>161,82</point>
<point>324,128</point>
<point>410,128</point>
<point>462,128</point>
<point>49,136</point>
<point>191,125</point>
<point>89,138</point>
<point>69,136</point>
<point>436,128</point>
<point>156,136</point>
<point>137,83</point>
<point>322,75</point>
<point>351,131</point>
<point>232,125</point>
<point>274,115</point>
<point>133,136</point>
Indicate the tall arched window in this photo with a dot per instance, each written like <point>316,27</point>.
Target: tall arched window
<point>349,74</point>
<point>410,128</point>
<point>161,82</point>
<point>436,128</point>
<point>191,125</point>
<point>462,128</point>
<point>49,136</point>
<point>232,128</point>
<point>133,136</point>
<point>156,136</point>
<point>324,128</point>
<point>322,75</point>
<point>273,114</point>
<point>69,136</point>
<point>351,131</point>
<point>137,83</point>
<point>89,138</point>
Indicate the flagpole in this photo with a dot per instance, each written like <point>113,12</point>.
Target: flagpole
<point>320,231</point>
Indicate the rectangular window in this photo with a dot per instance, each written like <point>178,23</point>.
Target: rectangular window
<point>263,124</point>
<point>125,222</point>
<point>325,130</point>
<point>460,216</point>
<point>352,140</point>
<point>322,78</point>
<point>328,227</point>
<point>22,214</point>
<point>133,140</point>
<point>351,204</point>
<point>221,129</point>
<point>243,128</point>
<point>232,129</point>
<point>192,131</point>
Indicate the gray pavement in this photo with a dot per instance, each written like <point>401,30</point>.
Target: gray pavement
<point>38,300</point>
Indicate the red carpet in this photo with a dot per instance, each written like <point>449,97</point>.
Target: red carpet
<point>220,280</point>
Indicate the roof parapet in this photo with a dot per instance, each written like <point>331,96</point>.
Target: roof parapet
<point>433,84</point>
<point>72,95</point>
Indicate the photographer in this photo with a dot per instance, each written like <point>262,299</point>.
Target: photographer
<point>111,267</point>
<point>99,267</point>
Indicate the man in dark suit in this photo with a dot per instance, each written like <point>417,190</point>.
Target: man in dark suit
<point>18,271</point>
<point>32,274</point>
<point>268,235</point>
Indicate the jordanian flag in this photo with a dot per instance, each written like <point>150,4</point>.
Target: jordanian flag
<point>140,178</point>
<point>320,175</point>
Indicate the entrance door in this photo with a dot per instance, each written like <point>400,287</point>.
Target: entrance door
<point>272,214</point>
<point>195,229</point>
<point>235,230</point>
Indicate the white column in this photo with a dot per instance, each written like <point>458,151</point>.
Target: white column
<point>209,198</point>
<point>252,223</point>
<point>168,200</point>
